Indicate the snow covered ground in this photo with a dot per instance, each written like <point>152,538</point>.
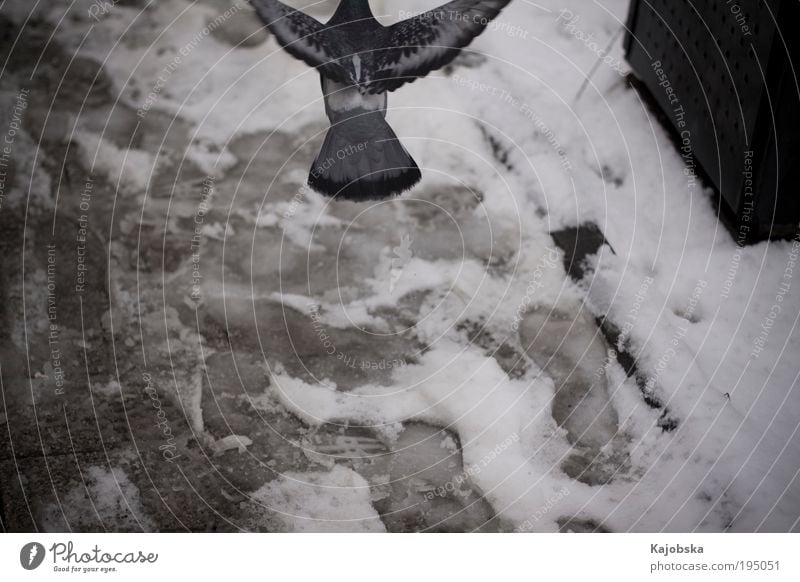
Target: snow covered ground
<point>450,307</point>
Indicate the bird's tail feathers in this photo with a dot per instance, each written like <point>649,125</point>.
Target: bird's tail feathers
<point>362,159</point>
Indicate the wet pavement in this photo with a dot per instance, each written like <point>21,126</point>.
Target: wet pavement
<point>144,321</point>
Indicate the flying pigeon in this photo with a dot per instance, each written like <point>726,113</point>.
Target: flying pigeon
<point>359,61</point>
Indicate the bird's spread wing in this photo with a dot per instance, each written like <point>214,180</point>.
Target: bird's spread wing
<point>303,37</point>
<point>416,46</point>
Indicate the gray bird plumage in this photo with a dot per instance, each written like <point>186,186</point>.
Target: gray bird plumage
<point>359,61</point>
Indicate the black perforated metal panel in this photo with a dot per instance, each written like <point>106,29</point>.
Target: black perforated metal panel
<point>715,69</point>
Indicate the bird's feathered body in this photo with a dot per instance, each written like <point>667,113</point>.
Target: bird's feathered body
<point>360,61</point>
